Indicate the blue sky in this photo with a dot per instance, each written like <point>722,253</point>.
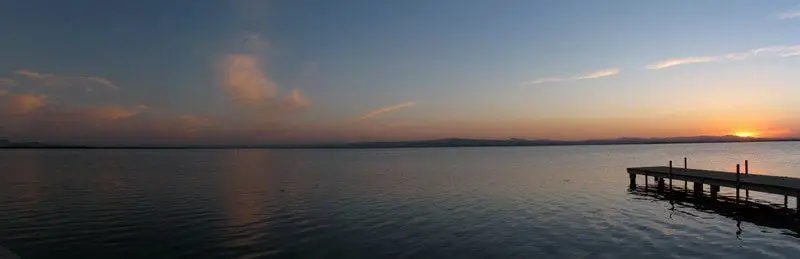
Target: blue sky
<point>312,70</point>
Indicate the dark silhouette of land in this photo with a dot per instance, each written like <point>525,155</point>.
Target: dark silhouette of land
<point>447,142</point>
<point>460,142</point>
<point>4,143</point>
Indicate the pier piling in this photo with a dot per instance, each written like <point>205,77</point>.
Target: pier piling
<point>785,201</point>
<point>633,180</point>
<point>738,182</point>
<point>670,175</point>
<point>714,191</point>
<point>685,183</point>
<point>746,171</point>
<point>698,189</point>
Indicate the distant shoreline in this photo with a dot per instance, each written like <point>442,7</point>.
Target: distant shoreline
<point>439,143</point>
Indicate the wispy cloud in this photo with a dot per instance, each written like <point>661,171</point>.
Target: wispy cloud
<point>192,123</point>
<point>680,61</point>
<point>31,74</point>
<point>8,82</point>
<point>296,100</point>
<point>789,15</point>
<point>25,103</point>
<point>383,110</point>
<point>591,75</point>
<point>780,51</point>
<point>51,80</point>
<point>114,112</point>
<point>102,82</point>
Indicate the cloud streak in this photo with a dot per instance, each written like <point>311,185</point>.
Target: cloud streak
<point>114,112</point>
<point>31,74</point>
<point>296,100</point>
<point>779,51</point>
<point>789,14</point>
<point>51,80</point>
<point>382,110</point>
<point>24,103</point>
<point>193,123</point>
<point>8,82</point>
<point>591,75</point>
<point>101,82</point>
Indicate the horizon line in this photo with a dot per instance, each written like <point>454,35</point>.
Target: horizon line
<point>420,143</point>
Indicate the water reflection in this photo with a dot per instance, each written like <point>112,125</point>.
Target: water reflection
<point>245,183</point>
<point>427,203</point>
<point>22,191</point>
<point>23,178</point>
<point>753,211</point>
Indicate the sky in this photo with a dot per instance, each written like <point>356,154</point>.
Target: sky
<point>251,72</point>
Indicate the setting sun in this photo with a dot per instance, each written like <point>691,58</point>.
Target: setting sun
<point>744,134</point>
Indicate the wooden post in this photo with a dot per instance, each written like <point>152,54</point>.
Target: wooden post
<point>738,173</point>
<point>745,167</point>
<point>645,181</point>
<point>714,191</point>
<point>685,166</point>
<point>797,202</point>
<point>746,172</point>
<point>698,189</point>
<point>785,201</point>
<point>670,175</point>
<point>685,183</point>
<point>633,180</point>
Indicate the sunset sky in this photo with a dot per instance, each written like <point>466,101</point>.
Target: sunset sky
<point>149,72</point>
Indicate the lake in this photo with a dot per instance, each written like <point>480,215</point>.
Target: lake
<point>492,202</point>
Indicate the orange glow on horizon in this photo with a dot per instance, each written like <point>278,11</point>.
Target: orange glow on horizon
<point>745,134</point>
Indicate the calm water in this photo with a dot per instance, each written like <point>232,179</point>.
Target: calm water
<point>525,202</point>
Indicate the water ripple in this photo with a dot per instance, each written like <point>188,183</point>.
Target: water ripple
<point>553,202</point>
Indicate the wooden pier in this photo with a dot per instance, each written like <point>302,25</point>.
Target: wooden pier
<point>781,185</point>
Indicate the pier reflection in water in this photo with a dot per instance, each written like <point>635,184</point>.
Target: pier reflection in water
<point>755,211</point>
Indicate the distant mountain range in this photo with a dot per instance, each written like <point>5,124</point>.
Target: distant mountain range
<point>4,143</point>
<point>447,142</point>
<point>462,142</point>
